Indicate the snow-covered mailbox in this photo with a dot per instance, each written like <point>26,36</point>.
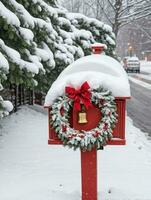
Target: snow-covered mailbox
<point>99,74</point>
<point>86,110</point>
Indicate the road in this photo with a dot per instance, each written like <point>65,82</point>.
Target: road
<point>139,107</point>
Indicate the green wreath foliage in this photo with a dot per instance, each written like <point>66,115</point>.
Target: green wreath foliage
<point>85,140</point>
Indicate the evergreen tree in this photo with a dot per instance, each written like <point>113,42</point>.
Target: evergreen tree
<point>39,39</point>
<point>5,106</point>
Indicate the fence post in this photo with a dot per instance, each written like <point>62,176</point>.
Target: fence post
<point>20,94</point>
<point>16,98</point>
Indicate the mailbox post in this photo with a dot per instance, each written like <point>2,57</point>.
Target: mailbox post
<point>89,158</point>
<point>89,175</point>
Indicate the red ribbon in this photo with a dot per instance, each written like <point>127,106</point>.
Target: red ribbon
<point>81,95</point>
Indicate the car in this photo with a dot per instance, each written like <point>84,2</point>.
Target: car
<point>132,64</point>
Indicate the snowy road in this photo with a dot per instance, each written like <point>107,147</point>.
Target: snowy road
<point>139,108</point>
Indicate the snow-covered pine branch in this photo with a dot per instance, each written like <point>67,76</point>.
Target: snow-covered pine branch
<point>38,39</point>
<point>5,106</point>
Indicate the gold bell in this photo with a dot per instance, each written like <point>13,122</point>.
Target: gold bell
<point>82,116</point>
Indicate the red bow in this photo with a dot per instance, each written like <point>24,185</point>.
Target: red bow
<point>80,95</point>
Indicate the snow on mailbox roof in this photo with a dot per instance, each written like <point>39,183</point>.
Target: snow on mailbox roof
<point>97,70</point>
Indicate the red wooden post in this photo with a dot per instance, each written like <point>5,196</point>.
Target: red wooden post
<point>89,174</point>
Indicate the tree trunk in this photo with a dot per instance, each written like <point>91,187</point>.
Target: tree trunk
<point>116,25</point>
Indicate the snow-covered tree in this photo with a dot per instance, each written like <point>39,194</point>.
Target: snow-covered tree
<point>39,39</point>
<point>5,106</point>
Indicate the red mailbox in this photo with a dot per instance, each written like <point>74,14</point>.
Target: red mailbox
<point>120,89</point>
<point>118,132</point>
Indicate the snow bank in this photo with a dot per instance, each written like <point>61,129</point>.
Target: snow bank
<point>97,70</point>
<point>5,107</point>
<point>146,66</point>
<point>33,170</point>
<point>140,82</point>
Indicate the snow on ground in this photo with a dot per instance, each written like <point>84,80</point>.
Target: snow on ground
<point>32,170</point>
<point>138,78</point>
<point>146,66</point>
<point>144,76</point>
<point>141,83</point>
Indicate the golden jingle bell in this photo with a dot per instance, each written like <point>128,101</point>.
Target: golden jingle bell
<point>82,118</point>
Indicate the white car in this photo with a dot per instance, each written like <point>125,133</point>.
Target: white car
<point>133,64</point>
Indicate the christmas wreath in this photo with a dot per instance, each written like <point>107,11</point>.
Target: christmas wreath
<point>72,99</point>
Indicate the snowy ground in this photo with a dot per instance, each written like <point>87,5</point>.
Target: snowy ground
<point>140,78</point>
<point>146,66</point>
<point>32,170</point>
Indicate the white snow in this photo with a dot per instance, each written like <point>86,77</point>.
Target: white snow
<point>31,67</point>
<point>86,44</point>
<point>82,34</point>
<point>68,41</point>
<point>110,40</point>
<point>7,105</point>
<point>15,57</point>
<point>80,51</point>
<point>141,83</point>
<point>27,34</point>
<point>44,25</point>
<point>96,63</point>
<point>52,11</point>
<point>97,70</point>
<point>51,56</point>
<point>9,16</point>
<point>3,62</point>
<point>75,16</point>
<point>138,79</point>
<point>107,28</point>
<point>64,21</point>
<point>37,62</point>
<point>145,66</point>
<point>1,87</point>
<point>23,14</point>
<point>144,76</point>
<point>43,54</point>
<point>32,169</point>
<point>12,53</point>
